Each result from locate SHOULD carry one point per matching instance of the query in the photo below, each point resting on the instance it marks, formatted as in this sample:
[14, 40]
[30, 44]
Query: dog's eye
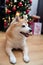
[23, 25]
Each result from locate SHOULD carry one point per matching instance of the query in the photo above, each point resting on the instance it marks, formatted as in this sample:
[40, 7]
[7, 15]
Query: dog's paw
[12, 59]
[26, 59]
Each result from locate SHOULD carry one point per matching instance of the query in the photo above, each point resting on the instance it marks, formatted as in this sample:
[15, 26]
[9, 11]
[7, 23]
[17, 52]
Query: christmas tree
[13, 6]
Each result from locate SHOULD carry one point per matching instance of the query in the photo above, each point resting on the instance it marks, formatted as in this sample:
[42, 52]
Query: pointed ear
[13, 22]
[25, 17]
[17, 18]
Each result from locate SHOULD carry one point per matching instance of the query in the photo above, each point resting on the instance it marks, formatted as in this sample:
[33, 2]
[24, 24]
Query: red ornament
[20, 4]
[5, 23]
[27, 11]
[7, 1]
[14, 8]
[30, 1]
[8, 11]
[30, 22]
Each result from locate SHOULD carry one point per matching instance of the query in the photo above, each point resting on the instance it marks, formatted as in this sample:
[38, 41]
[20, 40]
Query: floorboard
[35, 44]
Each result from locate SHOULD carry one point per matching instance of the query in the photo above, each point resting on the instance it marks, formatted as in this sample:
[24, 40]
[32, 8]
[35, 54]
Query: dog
[16, 36]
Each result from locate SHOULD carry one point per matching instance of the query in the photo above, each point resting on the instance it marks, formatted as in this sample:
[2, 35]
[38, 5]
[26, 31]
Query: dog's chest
[18, 42]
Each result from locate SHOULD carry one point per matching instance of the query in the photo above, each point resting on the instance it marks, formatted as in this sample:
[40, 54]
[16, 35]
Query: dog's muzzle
[25, 34]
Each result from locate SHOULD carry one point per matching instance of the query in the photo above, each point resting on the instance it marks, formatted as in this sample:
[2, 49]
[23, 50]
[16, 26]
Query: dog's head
[21, 26]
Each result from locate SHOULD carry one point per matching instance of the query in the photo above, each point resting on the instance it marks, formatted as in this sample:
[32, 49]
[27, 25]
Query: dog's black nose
[30, 30]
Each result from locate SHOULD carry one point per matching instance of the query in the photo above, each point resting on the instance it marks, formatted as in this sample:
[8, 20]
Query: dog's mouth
[25, 34]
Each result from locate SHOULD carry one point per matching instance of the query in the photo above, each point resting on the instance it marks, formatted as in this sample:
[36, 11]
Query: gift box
[36, 25]
[36, 28]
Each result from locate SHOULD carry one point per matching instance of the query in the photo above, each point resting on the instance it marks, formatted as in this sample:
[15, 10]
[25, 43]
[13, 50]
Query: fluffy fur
[14, 39]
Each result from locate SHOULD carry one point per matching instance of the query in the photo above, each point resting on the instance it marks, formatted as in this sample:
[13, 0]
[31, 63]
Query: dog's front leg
[11, 55]
[25, 53]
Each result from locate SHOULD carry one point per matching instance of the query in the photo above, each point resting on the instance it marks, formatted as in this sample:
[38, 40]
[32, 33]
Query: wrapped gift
[37, 28]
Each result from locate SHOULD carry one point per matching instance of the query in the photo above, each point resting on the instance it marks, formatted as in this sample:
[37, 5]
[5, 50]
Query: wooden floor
[35, 44]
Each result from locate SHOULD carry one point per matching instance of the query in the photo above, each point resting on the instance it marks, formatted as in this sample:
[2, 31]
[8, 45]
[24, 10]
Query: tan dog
[16, 38]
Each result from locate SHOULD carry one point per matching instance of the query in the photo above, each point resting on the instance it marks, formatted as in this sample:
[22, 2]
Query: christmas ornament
[9, 18]
[30, 22]
[25, 17]
[3, 18]
[17, 6]
[8, 24]
[29, 8]
[22, 0]
[15, 1]
[24, 12]
[30, 1]
[20, 4]
[7, 1]
[14, 8]
[7, 11]
[5, 23]
[25, 4]
[30, 19]
[11, 3]
[27, 11]
[12, 18]
[18, 14]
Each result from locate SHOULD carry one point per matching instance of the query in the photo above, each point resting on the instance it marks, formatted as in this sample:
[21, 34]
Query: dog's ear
[13, 22]
[17, 18]
[25, 18]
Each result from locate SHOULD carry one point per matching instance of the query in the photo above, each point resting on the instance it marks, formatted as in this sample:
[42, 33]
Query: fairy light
[17, 13]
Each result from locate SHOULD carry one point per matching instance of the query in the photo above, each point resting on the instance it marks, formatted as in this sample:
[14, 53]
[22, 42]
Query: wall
[34, 7]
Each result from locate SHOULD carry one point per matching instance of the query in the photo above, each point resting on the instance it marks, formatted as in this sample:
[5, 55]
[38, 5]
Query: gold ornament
[17, 13]
[30, 19]
[17, 6]
[24, 12]
[5, 9]
[22, 0]
[25, 4]
[15, 1]
[29, 8]
[9, 4]
[9, 18]
[5, 20]
[8, 24]
[12, 18]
